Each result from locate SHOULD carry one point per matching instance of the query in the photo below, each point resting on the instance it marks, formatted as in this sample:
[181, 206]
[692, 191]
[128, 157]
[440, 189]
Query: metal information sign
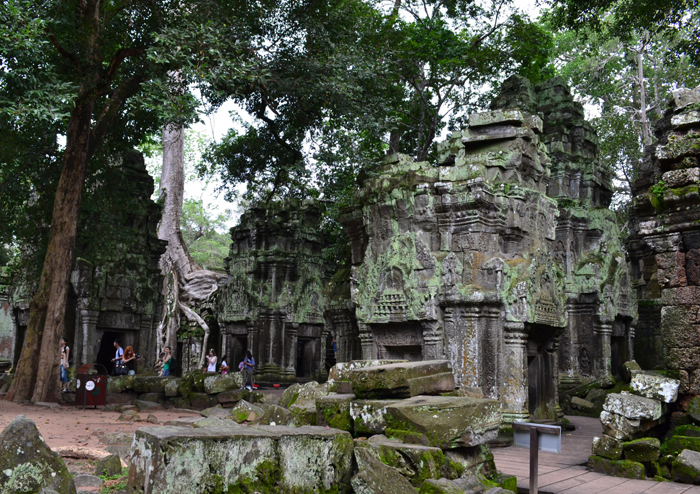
[536, 437]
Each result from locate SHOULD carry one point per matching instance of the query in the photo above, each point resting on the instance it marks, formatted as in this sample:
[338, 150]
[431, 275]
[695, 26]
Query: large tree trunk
[39, 376]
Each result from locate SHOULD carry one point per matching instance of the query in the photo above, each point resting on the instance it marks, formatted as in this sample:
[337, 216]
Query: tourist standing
[248, 368]
[167, 360]
[335, 349]
[118, 356]
[130, 360]
[224, 365]
[211, 361]
[65, 358]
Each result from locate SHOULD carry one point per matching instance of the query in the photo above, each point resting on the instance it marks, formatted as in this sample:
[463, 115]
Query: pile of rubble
[644, 436]
[388, 427]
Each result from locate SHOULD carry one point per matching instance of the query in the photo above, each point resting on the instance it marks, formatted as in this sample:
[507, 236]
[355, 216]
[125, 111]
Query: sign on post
[536, 437]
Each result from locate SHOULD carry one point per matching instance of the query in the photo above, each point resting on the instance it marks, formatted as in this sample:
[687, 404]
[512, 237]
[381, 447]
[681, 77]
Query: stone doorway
[106, 352]
[399, 340]
[542, 372]
[306, 357]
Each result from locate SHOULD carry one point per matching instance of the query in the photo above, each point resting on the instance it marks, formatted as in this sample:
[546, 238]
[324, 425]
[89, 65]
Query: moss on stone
[676, 443]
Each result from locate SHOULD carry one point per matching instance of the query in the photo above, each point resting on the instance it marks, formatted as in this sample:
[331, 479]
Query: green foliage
[205, 235]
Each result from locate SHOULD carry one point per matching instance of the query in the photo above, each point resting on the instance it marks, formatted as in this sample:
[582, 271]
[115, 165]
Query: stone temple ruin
[501, 257]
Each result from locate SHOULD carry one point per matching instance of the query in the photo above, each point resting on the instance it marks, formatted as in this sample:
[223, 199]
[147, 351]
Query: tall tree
[94, 71]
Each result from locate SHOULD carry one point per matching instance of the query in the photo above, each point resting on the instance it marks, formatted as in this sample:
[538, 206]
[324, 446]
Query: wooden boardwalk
[567, 472]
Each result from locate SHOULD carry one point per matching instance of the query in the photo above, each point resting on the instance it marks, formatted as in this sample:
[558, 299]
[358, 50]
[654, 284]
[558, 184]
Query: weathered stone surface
[582, 405]
[617, 468]
[448, 422]
[202, 400]
[112, 465]
[402, 380]
[607, 447]
[642, 450]
[152, 397]
[120, 384]
[207, 422]
[632, 407]
[222, 383]
[303, 395]
[368, 415]
[377, 478]
[245, 412]
[341, 371]
[232, 396]
[87, 481]
[334, 411]
[171, 386]
[414, 462]
[142, 405]
[675, 444]
[27, 463]
[655, 387]
[694, 409]
[687, 430]
[150, 384]
[274, 415]
[440, 486]
[620, 427]
[477, 460]
[686, 467]
[264, 458]
[216, 411]
[128, 416]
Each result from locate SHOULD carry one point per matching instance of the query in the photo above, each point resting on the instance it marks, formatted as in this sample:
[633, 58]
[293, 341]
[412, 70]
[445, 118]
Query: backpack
[173, 365]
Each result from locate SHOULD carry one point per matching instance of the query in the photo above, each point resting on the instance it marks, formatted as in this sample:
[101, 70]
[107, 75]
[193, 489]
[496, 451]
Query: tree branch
[119, 57]
[69, 55]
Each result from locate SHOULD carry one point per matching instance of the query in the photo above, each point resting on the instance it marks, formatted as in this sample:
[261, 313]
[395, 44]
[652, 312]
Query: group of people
[247, 366]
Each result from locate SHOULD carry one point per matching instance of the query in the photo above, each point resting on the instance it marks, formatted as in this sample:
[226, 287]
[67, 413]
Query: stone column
[470, 347]
[86, 338]
[432, 340]
[630, 343]
[515, 388]
[369, 351]
[604, 332]
[292, 337]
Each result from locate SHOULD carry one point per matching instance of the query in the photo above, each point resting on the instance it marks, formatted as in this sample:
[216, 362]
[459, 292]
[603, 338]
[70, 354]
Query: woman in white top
[211, 361]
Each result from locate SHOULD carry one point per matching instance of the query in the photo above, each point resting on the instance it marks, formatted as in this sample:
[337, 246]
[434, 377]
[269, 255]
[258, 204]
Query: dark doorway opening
[330, 354]
[107, 351]
[619, 354]
[541, 372]
[306, 351]
[236, 353]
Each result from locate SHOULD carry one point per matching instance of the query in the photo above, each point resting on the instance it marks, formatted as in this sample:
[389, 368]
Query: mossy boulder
[230, 398]
[119, 384]
[27, 464]
[150, 384]
[694, 410]
[476, 460]
[334, 410]
[686, 467]
[216, 411]
[142, 405]
[155, 397]
[675, 444]
[687, 430]
[403, 380]
[617, 468]
[628, 369]
[245, 412]
[408, 437]
[607, 447]
[109, 466]
[368, 416]
[200, 401]
[642, 450]
[220, 383]
[448, 422]
[171, 386]
[375, 477]
[237, 458]
[303, 395]
[274, 415]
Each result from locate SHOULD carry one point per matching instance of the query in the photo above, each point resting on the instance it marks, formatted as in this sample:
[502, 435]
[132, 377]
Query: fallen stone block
[334, 411]
[687, 430]
[403, 380]
[686, 467]
[341, 371]
[120, 384]
[617, 468]
[110, 466]
[150, 384]
[694, 409]
[675, 444]
[633, 407]
[171, 386]
[474, 461]
[642, 450]
[628, 369]
[184, 421]
[88, 481]
[154, 397]
[440, 486]
[129, 416]
[582, 405]
[303, 415]
[607, 447]
[303, 395]
[221, 383]
[377, 478]
[274, 415]
[448, 422]
[368, 416]
[202, 400]
[231, 397]
[142, 405]
[245, 412]
[216, 411]
[233, 458]
[655, 387]
[620, 427]
[27, 463]
[414, 462]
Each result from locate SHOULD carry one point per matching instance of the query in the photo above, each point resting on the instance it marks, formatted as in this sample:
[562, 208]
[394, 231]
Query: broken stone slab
[222, 383]
[216, 411]
[582, 405]
[303, 415]
[655, 387]
[694, 409]
[231, 396]
[263, 458]
[110, 466]
[212, 422]
[184, 421]
[341, 371]
[274, 415]
[334, 411]
[684, 97]
[512, 117]
[414, 462]
[607, 447]
[403, 380]
[447, 421]
[628, 368]
[142, 405]
[686, 467]
[441, 486]
[149, 384]
[202, 400]
[620, 427]
[128, 416]
[377, 478]
[245, 412]
[171, 386]
[477, 460]
[120, 384]
[617, 468]
[303, 395]
[642, 450]
[88, 481]
[27, 463]
[368, 416]
[633, 407]
[154, 397]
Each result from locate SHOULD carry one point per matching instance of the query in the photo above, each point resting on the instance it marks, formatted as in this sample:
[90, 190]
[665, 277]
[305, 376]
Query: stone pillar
[604, 332]
[515, 388]
[292, 343]
[85, 339]
[369, 350]
[470, 347]
[432, 340]
[630, 343]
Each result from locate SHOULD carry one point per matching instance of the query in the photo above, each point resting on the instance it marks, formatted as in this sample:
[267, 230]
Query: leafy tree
[205, 234]
[99, 73]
